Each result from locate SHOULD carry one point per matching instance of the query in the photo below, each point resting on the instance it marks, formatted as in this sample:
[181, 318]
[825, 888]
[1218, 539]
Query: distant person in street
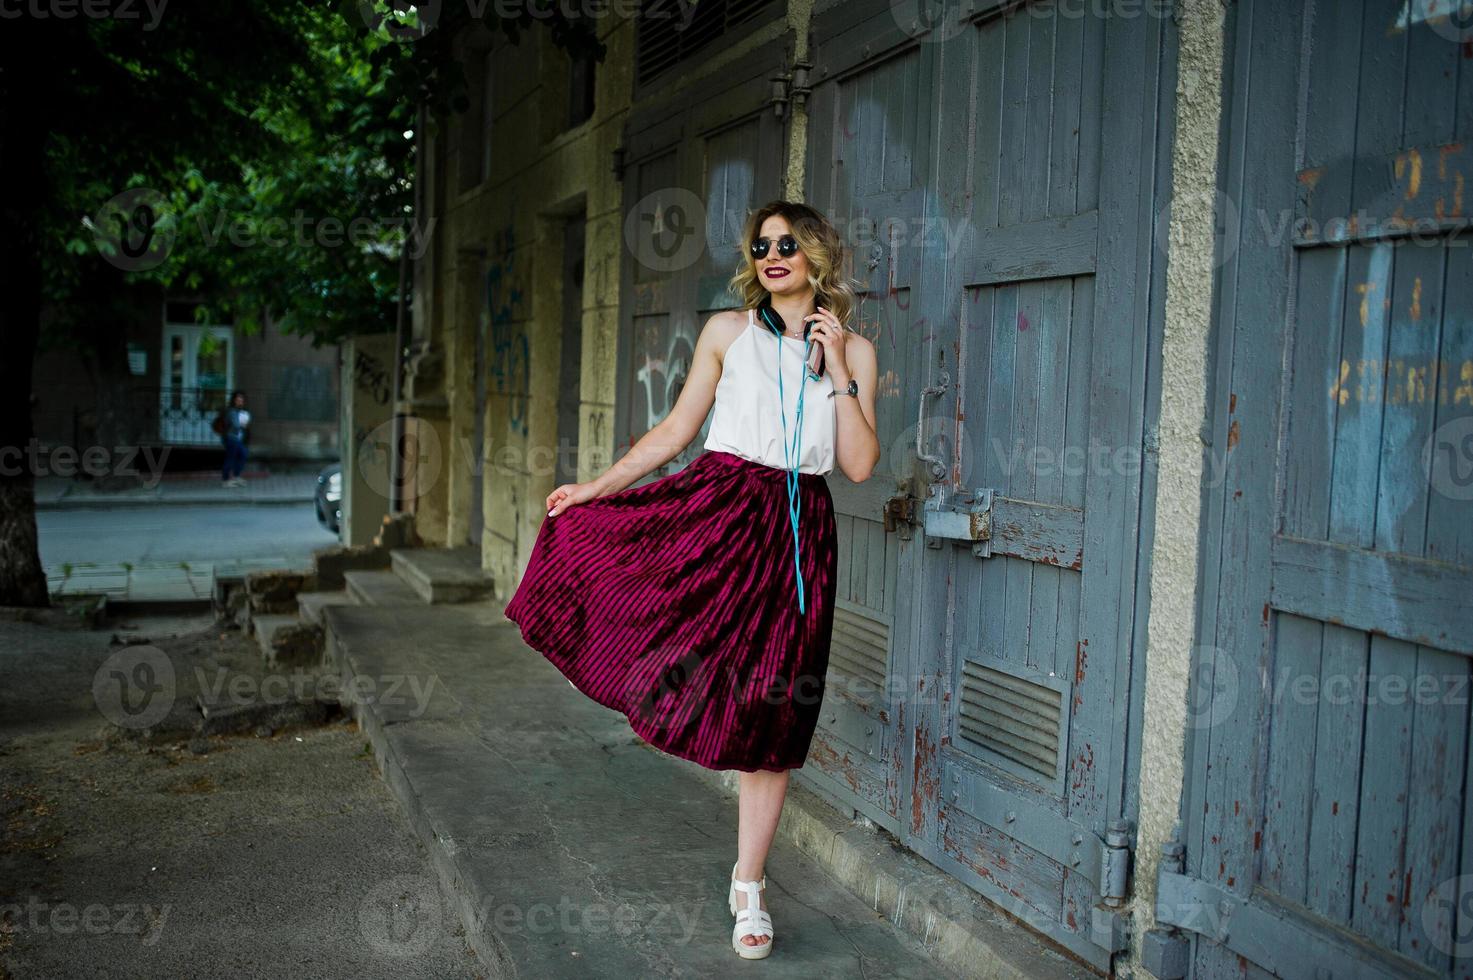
[234, 428]
[694, 604]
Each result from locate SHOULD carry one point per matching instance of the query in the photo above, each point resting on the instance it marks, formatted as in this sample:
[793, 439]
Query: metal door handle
[938, 465]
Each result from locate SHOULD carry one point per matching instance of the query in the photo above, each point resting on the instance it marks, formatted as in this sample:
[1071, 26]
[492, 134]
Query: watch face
[853, 388]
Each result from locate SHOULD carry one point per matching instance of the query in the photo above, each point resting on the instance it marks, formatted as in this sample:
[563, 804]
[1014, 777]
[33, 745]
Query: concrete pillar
[1191, 268]
[366, 439]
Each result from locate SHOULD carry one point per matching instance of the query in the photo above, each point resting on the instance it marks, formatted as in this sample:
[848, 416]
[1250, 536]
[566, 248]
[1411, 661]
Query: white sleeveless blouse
[746, 420]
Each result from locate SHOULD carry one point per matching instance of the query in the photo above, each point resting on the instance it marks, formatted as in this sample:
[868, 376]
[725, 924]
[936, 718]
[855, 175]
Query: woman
[701, 604]
[234, 431]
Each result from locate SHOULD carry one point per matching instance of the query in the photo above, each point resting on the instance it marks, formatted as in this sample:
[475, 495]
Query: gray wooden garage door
[1012, 153]
[1328, 825]
[696, 164]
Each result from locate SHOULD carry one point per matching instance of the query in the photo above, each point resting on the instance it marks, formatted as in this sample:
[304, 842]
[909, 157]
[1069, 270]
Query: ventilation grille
[861, 652]
[669, 30]
[1012, 717]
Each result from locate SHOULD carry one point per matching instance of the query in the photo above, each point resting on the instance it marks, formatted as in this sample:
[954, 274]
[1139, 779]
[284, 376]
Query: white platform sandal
[752, 920]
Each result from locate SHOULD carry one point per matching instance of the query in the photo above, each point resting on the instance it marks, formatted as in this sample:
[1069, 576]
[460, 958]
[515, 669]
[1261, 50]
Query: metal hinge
[1166, 950]
[1115, 863]
[1110, 924]
[967, 518]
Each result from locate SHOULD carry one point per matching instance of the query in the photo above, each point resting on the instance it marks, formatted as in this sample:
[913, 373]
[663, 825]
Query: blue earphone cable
[792, 466]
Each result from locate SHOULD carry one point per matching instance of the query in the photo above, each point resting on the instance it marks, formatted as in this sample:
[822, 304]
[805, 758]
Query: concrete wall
[494, 268]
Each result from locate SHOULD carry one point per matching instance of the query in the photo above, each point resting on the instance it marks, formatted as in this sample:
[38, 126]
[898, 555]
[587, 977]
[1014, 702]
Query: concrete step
[440, 575]
[310, 604]
[535, 801]
[379, 588]
[286, 641]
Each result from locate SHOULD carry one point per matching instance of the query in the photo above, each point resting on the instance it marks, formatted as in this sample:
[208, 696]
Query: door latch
[967, 518]
[900, 514]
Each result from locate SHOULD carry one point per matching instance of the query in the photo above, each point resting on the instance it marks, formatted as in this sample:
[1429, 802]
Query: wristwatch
[853, 389]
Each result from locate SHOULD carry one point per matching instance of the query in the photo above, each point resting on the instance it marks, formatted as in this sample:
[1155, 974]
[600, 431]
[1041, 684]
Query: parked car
[329, 497]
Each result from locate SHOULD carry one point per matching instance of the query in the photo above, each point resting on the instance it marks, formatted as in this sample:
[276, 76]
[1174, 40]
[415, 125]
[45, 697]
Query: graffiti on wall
[664, 362]
[372, 376]
[508, 353]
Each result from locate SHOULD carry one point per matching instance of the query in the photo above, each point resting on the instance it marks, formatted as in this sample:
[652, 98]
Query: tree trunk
[23, 172]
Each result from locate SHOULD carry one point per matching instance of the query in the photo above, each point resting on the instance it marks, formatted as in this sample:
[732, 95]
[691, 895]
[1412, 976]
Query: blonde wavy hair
[822, 247]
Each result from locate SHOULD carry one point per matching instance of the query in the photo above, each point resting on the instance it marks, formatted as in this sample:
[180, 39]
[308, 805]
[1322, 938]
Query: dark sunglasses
[786, 246]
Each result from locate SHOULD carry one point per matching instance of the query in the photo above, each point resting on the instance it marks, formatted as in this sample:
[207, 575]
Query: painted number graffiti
[1403, 382]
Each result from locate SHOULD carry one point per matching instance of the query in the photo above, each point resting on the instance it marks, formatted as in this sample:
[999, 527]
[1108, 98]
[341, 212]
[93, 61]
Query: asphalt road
[179, 532]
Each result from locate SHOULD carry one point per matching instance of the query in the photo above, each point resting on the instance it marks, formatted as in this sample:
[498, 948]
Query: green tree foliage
[278, 118]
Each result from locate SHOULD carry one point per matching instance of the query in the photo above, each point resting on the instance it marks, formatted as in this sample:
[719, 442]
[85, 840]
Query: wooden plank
[1335, 811]
[1129, 181]
[1076, 412]
[1285, 869]
[1068, 83]
[981, 448]
[900, 82]
[1382, 85]
[1463, 121]
[1357, 391]
[1034, 180]
[1049, 248]
[1410, 400]
[1267, 940]
[1434, 808]
[1463, 909]
[846, 524]
[1091, 113]
[1013, 155]
[879, 559]
[997, 428]
[1411, 599]
[1018, 596]
[1309, 450]
[1047, 534]
[1329, 116]
[988, 95]
[853, 577]
[1028, 370]
[1029, 882]
[1380, 868]
[1053, 394]
[865, 133]
[1450, 506]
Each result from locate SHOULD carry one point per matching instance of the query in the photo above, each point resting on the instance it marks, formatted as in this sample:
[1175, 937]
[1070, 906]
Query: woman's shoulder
[725, 327]
[854, 340]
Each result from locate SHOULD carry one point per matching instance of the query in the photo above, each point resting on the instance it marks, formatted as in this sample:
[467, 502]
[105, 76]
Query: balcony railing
[177, 416]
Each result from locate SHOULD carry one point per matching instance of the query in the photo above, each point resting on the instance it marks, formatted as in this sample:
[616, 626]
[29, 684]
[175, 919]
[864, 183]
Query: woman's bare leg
[762, 795]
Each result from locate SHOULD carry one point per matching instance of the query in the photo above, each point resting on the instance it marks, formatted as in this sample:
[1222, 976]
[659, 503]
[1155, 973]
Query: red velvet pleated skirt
[676, 604]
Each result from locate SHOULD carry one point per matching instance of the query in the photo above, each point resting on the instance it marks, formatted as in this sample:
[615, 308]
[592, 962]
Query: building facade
[179, 373]
[1168, 298]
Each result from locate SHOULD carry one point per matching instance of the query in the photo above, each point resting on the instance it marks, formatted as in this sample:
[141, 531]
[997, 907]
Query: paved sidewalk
[177, 581]
[574, 848]
[262, 487]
